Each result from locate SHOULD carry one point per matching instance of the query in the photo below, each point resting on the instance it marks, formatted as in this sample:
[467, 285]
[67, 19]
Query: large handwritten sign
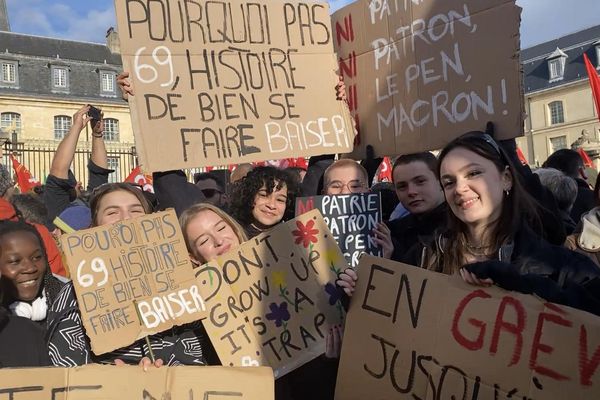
[412, 333]
[351, 219]
[224, 82]
[421, 72]
[131, 382]
[132, 278]
[272, 300]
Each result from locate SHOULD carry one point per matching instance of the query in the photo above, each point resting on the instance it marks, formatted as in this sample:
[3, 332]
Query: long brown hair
[107, 188]
[517, 205]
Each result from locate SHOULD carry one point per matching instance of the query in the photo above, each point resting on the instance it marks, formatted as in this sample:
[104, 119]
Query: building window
[556, 65]
[9, 73]
[113, 163]
[107, 83]
[111, 129]
[62, 124]
[557, 115]
[558, 143]
[60, 78]
[10, 121]
[556, 68]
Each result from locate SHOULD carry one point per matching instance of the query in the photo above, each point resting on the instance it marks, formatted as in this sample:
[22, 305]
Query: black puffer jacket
[416, 228]
[21, 342]
[530, 265]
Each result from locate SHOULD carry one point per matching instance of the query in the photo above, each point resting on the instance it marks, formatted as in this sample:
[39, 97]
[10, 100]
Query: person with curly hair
[263, 198]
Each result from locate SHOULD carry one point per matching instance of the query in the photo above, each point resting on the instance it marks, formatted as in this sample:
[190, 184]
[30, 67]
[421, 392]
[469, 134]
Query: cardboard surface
[272, 300]
[411, 333]
[225, 82]
[131, 382]
[142, 261]
[351, 220]
[420, 73]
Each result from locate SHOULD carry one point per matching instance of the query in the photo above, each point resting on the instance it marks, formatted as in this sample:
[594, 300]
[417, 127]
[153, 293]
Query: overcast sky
[88, 20]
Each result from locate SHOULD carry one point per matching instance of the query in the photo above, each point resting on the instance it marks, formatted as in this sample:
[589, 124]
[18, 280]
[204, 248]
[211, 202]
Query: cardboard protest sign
[131, 382]
[420, 73]
[226, 82]
[411, 333]
[351, 219]
[141, 263]
[272, 300]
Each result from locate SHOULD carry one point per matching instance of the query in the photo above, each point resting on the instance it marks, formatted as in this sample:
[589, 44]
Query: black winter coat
[416, 228]
[21, 342]
[531, 265]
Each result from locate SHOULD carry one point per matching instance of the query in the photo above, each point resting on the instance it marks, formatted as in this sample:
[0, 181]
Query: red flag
[385, 170]
[25, 181]
[594, 82]
[144, 180]
[587, 161]
[301, 163]
[521, 156]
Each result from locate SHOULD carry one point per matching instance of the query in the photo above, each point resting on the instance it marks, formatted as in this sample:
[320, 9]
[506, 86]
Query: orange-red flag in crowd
[521, 156]
[25, 180]
[385, 170]
[144, 180]
[594, 82]
[587, 161]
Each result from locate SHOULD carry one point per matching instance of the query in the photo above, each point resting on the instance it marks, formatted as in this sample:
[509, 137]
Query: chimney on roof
[4, 24]
[112, 40]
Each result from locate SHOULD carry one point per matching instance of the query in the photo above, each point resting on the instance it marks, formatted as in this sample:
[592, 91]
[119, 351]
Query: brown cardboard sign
[420, 73]
[272, 300]
[131, 382]
[412, 333]
[140, 263]
[232, 81]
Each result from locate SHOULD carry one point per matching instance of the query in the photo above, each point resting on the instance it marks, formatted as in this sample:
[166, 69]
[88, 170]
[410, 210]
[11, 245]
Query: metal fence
[37, 157]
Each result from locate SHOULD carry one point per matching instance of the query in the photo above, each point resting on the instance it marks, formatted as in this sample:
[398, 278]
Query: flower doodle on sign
[305, 234]
[334, 293]
[279, 313]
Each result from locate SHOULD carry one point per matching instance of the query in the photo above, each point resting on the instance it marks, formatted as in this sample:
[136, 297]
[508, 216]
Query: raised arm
[63, 158]
[98, 164]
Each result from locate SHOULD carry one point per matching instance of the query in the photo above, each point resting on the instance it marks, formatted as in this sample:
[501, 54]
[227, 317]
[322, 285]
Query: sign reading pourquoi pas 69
[220, 82]
[132, 278]
[419, 73]
[417, 334]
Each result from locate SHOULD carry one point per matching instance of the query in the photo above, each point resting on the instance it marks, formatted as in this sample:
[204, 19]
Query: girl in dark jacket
[488, 241]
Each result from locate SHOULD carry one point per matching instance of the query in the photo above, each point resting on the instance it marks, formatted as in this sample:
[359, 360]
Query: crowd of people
[473, 210]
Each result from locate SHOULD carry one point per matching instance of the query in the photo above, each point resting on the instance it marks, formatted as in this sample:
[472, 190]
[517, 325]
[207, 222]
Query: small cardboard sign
[351, 219]
[132, 382]
[420, 73]
[132, 279]
[272, 300]
[226, 82]
[412, 333]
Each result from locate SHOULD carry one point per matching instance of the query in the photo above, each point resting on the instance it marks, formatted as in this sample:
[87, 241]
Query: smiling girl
[262, 199]
[490, 240]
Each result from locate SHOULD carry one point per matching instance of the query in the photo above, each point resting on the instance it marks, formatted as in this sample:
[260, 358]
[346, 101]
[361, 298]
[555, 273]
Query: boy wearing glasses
[346, 176]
